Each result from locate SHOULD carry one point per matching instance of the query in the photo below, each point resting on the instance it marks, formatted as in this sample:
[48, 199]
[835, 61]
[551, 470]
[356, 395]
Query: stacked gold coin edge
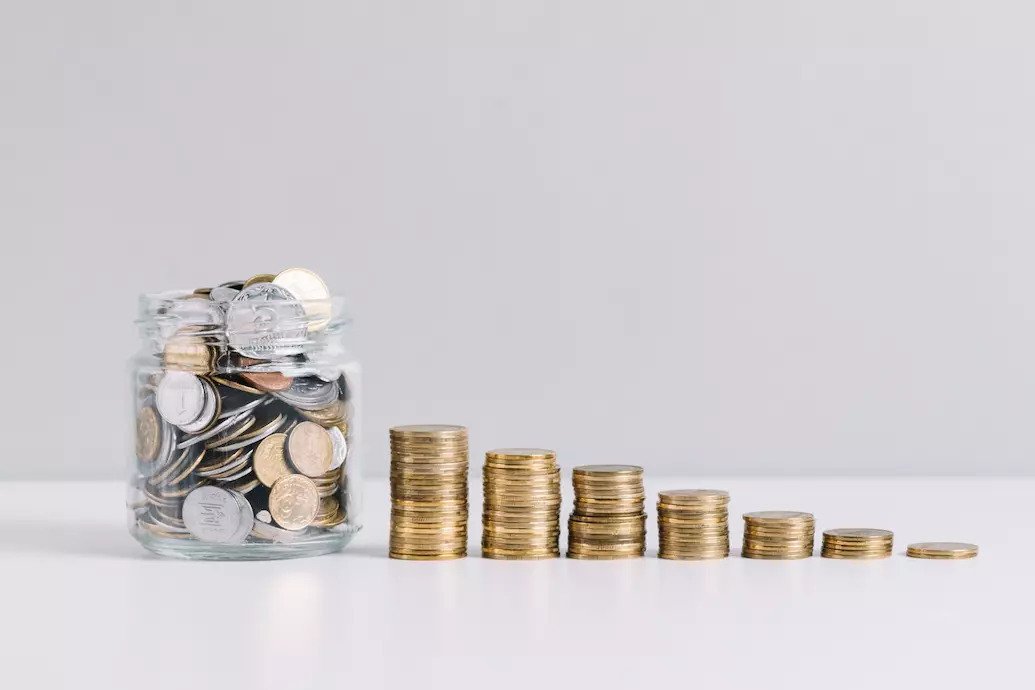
[522, 504]
[693, 525]
[778, 535]
[608, 521]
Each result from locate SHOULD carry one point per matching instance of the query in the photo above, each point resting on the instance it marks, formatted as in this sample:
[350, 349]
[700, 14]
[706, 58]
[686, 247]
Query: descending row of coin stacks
[857, 543]
[608, 520]
[778, 535]
[522, 509]
[693, 524]
[429, 492]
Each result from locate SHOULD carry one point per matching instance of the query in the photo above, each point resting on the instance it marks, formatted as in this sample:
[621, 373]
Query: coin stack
[429, 492]
[778, 535]
[857, 543]
[608, 521]
[693, 524]
[942, 550]
[522, 509]
[238, 421]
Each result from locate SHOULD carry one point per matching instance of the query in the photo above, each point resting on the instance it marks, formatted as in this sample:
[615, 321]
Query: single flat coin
[778, 516]
[270, 461]
[265, 321]
[593, 470]
[858, 533]
[294, 502]
[180, 397]
[942, 549]
[310, 290]
[212, 514]
[340, 447]
[310, 449]
[693, 496]
[149, 434]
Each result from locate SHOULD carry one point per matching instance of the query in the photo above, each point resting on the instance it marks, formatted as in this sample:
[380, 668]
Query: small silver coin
[339, 446]
[180, 397]
[208, 412]
[265, 321]
[270, 533]
[215, 515]
[310, 393]
[223, 293]
[264, 516]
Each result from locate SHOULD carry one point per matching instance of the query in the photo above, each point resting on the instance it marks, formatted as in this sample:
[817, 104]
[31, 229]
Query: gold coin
[607, 470]
[433, 431]
[521, 454]
[428, 557]
[852, 533]
[309, 448]
[259, 278]
[778, 516]
[942, 549]
[693, 496]
[149, 434]
[294, 502]
[269, 461]
[186, 351]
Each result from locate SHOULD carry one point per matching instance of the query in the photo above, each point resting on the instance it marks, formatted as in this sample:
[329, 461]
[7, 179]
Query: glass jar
[246, 408]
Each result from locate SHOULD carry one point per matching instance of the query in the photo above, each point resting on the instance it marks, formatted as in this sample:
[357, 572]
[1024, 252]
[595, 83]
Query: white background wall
[708, 237]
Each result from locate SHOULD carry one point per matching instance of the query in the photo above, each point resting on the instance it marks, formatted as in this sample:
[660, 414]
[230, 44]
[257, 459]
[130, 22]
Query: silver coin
[208, 412]
[234, 465]
[189, 311]
[264, 516]
[247, 407]
[271, 533]
[217, 429]
[223, 293]
[310, 393]
[265, 321]
[267, 430]
[180, 397]
[215, 515]
[247, 517]
[240, 475]
[340, 447]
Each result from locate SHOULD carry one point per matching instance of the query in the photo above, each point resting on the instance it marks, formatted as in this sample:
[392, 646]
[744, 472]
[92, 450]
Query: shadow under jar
[245, 405]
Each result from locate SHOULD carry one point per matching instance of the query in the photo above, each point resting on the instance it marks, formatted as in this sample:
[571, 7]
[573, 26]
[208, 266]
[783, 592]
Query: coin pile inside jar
[778, 535]
[942, 550]
[242, 418]
[429, 492]
[608, 520]
[857, 543]
[693, 524]
[522, 504]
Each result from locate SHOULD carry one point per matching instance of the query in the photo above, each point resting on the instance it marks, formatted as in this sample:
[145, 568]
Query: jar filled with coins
[246, 406]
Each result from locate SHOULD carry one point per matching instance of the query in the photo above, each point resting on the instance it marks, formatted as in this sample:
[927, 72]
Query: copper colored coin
[310, 449]
[148, 434]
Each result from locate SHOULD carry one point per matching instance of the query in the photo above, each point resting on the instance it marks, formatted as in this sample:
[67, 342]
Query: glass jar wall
[246, 408]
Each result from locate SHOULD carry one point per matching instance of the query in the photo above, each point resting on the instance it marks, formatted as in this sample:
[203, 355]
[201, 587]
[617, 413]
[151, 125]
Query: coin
[149, 434]
[259, 278]
[942, 549]
[857, 533]
[215, 515]
[310, 449]
[270, 462]
[309, 289]
[294, 502]
[265, 321]
[180, 397]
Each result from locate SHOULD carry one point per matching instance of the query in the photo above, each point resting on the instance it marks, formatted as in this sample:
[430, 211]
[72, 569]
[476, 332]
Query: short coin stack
[522, 509]
[429, 492]
[693, 524]
[857, 543]
[942, 550]
[608, 520]
[778, 535]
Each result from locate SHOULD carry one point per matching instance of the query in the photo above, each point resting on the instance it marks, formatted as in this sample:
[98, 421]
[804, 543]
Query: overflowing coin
[778, 535]
[522, 504]
[857, 543]
[429, 492]
[245, 416]
[693, 524]
[942, 550]
[608, 520]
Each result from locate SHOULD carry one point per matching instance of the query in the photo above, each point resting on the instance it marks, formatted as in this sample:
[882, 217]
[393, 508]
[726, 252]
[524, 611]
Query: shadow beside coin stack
[778, 535]
[429, 492]
[693, 524]
[608, 521]
[522, 504]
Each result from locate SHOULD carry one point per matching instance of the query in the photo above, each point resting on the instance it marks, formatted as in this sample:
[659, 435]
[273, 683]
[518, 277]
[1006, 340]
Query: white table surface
[85, 606]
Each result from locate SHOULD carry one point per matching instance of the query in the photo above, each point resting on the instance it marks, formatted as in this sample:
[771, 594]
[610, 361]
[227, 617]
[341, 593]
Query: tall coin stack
[522, 509]
[693, 524]
[608, 520]
[857, 543]
[778, 535]
[429, 492]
